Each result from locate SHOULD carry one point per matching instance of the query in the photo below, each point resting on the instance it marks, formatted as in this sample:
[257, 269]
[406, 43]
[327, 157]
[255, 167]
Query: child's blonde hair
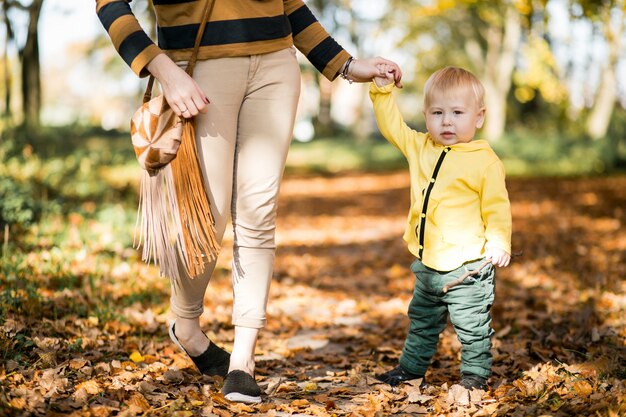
[452, 78]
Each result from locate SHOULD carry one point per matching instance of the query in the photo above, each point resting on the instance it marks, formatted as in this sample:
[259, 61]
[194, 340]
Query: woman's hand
[180, 90]
[364, 70]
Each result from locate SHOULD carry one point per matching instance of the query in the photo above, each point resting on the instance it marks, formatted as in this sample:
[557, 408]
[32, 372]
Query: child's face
[453, 116]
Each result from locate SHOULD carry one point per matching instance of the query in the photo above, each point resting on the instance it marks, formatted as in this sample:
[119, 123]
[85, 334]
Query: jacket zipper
[419, 229]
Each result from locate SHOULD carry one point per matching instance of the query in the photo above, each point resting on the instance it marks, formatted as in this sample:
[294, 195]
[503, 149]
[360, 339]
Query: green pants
[468, 306]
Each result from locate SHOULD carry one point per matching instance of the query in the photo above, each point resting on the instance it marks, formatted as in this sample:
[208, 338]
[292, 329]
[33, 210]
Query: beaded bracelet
[346, 70]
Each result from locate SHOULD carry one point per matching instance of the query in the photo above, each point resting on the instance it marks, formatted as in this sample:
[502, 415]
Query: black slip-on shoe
[213, 362]
[399, 375]
[241, 387]
[471, 381]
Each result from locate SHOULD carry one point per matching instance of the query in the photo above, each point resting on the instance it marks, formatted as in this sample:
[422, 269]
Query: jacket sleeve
[130, 40]
[496, 208]
[326, 55]
[389, 119]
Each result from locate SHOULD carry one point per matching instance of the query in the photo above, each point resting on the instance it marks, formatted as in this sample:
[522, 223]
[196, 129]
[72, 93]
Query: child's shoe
[241, 387]
[399, 375]
[471, 381]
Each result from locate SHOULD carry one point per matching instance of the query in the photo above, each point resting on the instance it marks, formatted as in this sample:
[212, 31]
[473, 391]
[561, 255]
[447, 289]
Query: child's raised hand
[498, 257]
[388, 79]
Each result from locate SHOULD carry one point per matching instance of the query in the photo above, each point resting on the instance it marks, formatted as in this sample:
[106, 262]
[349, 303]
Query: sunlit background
[543, 66]
[83, 320]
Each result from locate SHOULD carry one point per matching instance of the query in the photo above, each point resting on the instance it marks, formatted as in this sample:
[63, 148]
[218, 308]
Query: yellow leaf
[182, 413]
[299, 403]
[583, 388]
[18, 403]
[90, 386]
[136, 357]
[311, 386]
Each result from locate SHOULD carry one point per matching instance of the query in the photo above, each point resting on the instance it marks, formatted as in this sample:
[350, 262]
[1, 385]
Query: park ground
[83, 321]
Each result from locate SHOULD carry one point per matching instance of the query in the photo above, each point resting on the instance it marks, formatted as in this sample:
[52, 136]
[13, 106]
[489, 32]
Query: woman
[244, 90]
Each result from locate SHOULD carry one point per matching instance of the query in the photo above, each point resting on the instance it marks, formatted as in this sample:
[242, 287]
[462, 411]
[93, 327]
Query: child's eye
[437, 112]
[458, 112]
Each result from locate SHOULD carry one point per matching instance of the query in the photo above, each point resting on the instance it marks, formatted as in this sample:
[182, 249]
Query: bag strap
[208, 9]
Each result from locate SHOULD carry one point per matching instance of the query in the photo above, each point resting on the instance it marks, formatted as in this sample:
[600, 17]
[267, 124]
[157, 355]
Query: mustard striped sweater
[235, 28]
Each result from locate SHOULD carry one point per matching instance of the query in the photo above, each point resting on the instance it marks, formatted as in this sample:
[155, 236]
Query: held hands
[386, 77]
[365, 70]
[498, 257]
[180, 90]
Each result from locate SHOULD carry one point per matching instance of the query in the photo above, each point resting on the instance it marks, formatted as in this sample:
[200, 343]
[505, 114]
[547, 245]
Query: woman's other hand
[180, 90]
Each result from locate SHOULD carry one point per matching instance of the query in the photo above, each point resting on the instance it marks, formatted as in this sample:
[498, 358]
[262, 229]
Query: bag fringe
[197, 226]
[174, 218]
[156, 215]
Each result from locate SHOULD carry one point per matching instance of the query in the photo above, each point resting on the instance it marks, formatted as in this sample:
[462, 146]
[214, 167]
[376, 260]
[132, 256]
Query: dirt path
[337, 315]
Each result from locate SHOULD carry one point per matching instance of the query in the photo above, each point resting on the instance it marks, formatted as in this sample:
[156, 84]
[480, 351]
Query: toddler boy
[459, 217]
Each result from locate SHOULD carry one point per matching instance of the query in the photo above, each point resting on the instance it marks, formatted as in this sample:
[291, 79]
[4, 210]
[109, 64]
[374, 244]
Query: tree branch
[463, 277]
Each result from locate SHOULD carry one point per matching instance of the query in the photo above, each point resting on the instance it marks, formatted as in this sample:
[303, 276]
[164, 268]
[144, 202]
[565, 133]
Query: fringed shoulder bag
[174, 217]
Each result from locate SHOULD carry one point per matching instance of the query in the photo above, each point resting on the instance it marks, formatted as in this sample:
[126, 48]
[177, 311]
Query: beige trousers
[243, 142]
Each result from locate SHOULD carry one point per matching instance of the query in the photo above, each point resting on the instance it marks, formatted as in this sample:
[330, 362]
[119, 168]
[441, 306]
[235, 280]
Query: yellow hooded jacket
[459, 202]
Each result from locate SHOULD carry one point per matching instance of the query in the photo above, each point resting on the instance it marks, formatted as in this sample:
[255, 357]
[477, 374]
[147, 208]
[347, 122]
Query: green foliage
[17, 203]
[60, 169]
[524, 152]
[332, 155]
[528, 154]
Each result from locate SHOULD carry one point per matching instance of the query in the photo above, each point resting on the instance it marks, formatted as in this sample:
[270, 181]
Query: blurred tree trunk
[484, 37]
[325, 12]
[497, 72]
[31, 69]
[6, 63]
[323, 122]
[612, 21]
[491, 38]
[360, 29]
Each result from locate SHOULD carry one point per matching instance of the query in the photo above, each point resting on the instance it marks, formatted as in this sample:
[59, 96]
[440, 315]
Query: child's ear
[480, 118]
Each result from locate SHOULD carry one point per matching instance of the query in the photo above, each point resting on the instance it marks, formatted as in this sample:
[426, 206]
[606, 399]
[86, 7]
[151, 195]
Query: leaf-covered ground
[83, 322]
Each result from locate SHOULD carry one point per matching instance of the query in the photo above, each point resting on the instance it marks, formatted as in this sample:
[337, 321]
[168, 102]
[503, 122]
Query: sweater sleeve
[389, 119]
[496, 208]
[130, 40]
[326, 55]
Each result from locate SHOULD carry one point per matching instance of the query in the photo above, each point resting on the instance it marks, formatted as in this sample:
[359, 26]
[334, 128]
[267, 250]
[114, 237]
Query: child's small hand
[498, 257]
[384, 80]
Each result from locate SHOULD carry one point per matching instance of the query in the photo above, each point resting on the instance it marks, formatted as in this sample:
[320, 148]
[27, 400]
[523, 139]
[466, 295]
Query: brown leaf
[100, 410]
[80, 396]
[78, 363]
[146, 387]
[138, 400]
[11, 365]
[12, 326]
[458, 395]
[174, 376]
[413, 409]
